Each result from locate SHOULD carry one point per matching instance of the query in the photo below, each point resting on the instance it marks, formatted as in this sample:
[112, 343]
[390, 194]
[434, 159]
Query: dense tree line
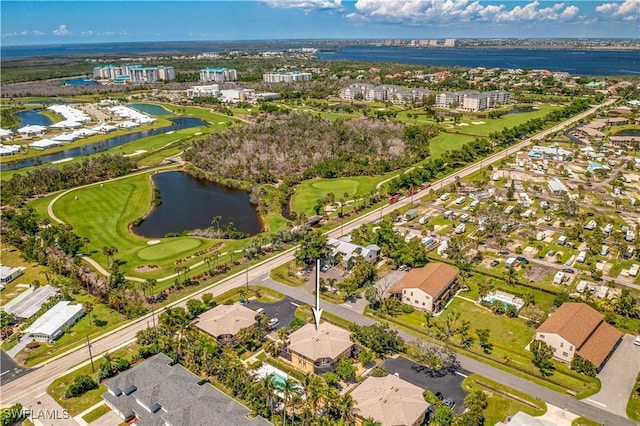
[49, 178]
[311, 146]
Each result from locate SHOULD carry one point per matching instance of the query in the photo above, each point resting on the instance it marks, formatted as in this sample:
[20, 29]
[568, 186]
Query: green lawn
[33, 271]
[509, 336]
[282, 274]
[633, 405]
[446, 142]
[309, 191]
[103, 214]
[95, 414]
[583, 421]
[503, 401]
[106, 319]
[80, 403]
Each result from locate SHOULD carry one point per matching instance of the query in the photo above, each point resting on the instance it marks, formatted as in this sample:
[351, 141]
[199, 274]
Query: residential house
[159, 392]
[225, 321]
[8, 274]
[343, 251]
[427, 288]
[390, 401]
[51, 325]
[28, 303]
[318, 350]
[556, 187]
[578, 329]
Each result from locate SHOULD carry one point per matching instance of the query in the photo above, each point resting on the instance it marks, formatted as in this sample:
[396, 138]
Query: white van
[445, 196]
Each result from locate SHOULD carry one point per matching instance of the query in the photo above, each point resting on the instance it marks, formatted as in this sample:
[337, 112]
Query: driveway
[9, 369]
[284, 310]
[450, 385]
[618, 377]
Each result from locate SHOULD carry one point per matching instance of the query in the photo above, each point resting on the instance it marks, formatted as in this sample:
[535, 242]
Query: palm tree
[348, 408]
[510, 276]
[289, 390]
[87, 307]
[370, 421]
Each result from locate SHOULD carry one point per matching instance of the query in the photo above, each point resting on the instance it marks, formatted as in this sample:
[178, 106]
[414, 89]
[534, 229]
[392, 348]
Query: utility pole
[381, 208]
[153, 312]
[93, 370]
[247, 277]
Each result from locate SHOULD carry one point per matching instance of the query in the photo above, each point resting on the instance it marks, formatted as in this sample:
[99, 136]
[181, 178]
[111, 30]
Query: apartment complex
[472, 100]
[204, 90]
[134, 73]
[384, 92]
[578, 329]
[428, 288]
[286, 77]
[218, 75]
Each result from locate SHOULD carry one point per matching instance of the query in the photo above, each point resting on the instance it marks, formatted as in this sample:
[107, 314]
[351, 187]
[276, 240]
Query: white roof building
[45, 144]
[28, 306]
[557, 187]
[5, 133]
[51, 324]
[8, 274]
[9, 149]
[32, 130]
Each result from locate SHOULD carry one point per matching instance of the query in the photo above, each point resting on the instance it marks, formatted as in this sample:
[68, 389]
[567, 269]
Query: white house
[8, 274]
[51, 324]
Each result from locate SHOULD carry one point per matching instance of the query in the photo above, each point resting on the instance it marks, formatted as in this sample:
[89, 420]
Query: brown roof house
[427, 288]
[318, 351]
[225, 321]
[390, 401]
[577, 328]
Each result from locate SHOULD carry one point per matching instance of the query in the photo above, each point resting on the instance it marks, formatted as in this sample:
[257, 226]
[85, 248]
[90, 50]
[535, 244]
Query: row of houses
[471, 100]
[384, 93]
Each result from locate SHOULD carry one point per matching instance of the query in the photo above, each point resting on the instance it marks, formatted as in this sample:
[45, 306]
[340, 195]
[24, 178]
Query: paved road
[29, 387]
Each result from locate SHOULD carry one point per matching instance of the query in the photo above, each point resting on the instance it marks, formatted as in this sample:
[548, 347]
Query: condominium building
[286, 77]
[472, 100]
[134, 73]
[219, 75]
[383, 93]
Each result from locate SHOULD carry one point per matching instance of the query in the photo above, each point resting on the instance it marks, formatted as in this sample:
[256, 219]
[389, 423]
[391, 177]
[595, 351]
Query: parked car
[260, 311]
[494, 263]
[325, 267]
[637, 341]
[523, 259]
[273, 322]
[439, 396]
[568, 271]
[504, 252]
[449, 402]
[551, 253]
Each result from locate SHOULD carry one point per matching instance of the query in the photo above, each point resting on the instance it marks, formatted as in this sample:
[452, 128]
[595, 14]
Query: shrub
[407, 309]
[583, 366]
[80, 385]
[33, 345]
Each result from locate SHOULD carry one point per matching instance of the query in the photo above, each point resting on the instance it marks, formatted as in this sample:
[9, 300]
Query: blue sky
[62, 22]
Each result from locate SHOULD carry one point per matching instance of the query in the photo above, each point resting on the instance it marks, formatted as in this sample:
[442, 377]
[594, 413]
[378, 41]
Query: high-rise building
[218, 75]
[286, 77]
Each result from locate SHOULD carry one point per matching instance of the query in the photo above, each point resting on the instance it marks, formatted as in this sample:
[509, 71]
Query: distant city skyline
[65, 22]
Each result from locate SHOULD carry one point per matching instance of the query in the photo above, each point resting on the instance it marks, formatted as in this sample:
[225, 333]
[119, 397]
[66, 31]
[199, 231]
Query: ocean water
[579, 62]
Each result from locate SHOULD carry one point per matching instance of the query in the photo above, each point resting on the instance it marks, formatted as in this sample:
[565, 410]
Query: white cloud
[62, 30]
[306, 5]
[443, 11]
[629, 10]
[15, 34]
[37, 33]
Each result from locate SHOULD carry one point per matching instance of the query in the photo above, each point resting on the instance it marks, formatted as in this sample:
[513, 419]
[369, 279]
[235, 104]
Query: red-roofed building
[578, 329]
[428, 288]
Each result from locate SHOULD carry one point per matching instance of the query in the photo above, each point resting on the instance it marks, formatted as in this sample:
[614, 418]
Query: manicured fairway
[168, 249]
[447, 141]
[309, 191]
[103, 214]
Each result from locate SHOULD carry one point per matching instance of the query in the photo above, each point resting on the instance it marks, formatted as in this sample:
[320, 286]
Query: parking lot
[284, 310]
[450, 385]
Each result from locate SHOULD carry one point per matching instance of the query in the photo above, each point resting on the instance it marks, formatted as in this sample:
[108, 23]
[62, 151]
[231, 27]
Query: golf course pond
[191, 203]
[178, 123]
[151, 109]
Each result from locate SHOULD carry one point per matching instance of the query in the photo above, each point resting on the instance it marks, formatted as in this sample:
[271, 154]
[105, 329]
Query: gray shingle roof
[173, 393]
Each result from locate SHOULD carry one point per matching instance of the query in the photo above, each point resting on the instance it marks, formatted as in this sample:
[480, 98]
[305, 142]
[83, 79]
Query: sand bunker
[152, 242]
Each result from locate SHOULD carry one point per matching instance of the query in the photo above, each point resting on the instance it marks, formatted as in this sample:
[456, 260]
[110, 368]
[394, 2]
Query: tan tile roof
[432, 279]
[597, 348]
[584, 328]
[328, 341]
[389, 400]
[226, 319]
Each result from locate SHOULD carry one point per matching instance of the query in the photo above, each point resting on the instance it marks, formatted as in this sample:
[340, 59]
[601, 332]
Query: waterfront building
[218, 75]
[286, 77]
